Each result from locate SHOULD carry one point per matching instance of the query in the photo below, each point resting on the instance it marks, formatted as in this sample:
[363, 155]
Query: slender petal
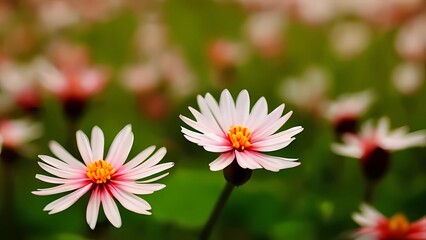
[110, 209]
[92, 210]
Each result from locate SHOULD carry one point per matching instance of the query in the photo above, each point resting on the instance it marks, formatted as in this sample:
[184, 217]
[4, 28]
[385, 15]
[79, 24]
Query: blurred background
[68, 65]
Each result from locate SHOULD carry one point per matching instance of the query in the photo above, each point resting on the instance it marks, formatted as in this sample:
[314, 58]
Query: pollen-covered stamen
[239, 137]
[398, 225]
[100, 171]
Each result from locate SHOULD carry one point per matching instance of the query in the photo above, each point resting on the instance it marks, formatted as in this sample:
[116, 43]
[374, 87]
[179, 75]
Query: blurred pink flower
[239, 135]
[78, 84]
[106, 178]
[265, 31]
[374, 145]
[18, 132]
[347, 109]
[411, 39]
[21, 83]
[375, 226]
[225, 54]
[308, 91]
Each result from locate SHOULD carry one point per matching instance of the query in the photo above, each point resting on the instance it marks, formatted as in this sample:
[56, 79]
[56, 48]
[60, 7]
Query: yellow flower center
[239, 137]
[398, 225]
[100, 171]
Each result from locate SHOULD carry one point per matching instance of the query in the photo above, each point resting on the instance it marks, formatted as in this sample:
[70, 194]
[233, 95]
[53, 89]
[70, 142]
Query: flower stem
[369, 191]
[205, 233]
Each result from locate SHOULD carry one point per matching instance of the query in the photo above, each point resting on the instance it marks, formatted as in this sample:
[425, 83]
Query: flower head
[230, 128]
[106, 178]
[16, 133]
[375, 226]
[374, 145]
[346, 110]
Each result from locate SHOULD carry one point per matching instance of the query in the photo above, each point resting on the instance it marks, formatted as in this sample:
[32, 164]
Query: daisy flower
[374, 145]
[18, 132]
[375, 226]
[346, 110]
[230, 128]
[105, 178]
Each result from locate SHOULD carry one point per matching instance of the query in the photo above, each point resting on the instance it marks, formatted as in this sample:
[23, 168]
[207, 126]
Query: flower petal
[64, 155]
[130, 201]
[92, 210]
[84, 147]
[120, 147]
[97, 142]
[67, 200]
[222, 161]
[110, 209]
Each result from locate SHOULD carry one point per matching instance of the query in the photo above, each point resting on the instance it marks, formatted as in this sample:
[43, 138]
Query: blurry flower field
[352, 72]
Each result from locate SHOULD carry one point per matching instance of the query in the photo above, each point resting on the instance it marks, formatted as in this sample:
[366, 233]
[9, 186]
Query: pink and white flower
[230, 128]
[80, 83]
[375, 226]
[373, 146]
[105, 178]
[347, 109]
[360, 145]
[16, 133]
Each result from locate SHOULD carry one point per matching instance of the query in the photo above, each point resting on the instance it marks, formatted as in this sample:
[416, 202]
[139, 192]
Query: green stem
[205, 233]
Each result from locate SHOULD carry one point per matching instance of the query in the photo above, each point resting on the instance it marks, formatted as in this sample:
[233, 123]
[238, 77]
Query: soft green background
[312, 201]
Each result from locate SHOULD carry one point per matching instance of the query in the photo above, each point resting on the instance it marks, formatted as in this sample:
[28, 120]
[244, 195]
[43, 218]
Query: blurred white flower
[408, 77]
[308, 91]
[141, 78]
[312, 12]
[265, 32]
[55, 15]
[151, 37]
[349, 39]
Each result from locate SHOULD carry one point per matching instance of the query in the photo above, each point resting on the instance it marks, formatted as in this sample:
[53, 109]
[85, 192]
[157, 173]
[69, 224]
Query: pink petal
[227, 108]
[59, 164]
[59, 189]
[54, 180]
[257, 114]
[67, 200]
[130, 201]
[243, 107]
[205, 110]
[139, 158]
[215, 110]
[64, 155]
[273, 163]
[154, 159]
[92, 210]
[138, 188]
[222, 161]
[84, 147]
[110, 209]
[148, 172]
[98, 142]
[58, 172]
[271, 145]
[245, 160]
[120, 147]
